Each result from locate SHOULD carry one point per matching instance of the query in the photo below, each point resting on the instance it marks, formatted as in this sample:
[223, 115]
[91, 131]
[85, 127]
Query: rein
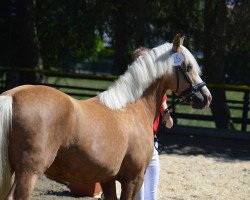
[187, 94]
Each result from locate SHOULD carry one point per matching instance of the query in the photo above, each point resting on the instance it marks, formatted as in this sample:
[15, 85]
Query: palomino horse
[102, 139]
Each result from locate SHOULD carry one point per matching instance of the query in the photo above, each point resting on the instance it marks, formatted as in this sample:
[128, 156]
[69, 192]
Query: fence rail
[90, 91]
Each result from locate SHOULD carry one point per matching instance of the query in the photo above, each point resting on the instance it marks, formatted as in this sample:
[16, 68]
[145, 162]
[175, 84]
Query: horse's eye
[189, 68]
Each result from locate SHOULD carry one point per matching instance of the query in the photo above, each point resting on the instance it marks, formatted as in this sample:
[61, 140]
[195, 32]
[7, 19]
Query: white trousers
[149, 188]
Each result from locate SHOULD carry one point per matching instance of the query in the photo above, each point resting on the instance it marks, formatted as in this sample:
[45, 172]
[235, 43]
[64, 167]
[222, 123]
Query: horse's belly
[79, 168]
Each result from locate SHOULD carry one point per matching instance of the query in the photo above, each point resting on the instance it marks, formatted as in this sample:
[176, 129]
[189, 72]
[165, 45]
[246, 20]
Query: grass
[102, 85]
[189, 122]
[230, 95]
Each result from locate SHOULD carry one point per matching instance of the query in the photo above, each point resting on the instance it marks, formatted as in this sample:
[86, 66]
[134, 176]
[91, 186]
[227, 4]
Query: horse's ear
[177, 42]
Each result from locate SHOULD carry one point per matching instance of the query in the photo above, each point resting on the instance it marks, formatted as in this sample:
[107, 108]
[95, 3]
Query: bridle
[186, 95]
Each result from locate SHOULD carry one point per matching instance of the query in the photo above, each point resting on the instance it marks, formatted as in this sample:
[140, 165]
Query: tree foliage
[19, 42]
[71, 31]
[66, 30]
[238, 43]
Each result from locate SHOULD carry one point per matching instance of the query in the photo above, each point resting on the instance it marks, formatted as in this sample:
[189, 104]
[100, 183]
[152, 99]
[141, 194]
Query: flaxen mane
[130, 86]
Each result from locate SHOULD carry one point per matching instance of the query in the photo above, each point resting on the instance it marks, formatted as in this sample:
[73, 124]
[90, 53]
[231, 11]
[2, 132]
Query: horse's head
[186, 82]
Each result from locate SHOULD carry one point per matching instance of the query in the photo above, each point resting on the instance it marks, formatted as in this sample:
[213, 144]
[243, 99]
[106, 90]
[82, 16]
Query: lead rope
[160, 147]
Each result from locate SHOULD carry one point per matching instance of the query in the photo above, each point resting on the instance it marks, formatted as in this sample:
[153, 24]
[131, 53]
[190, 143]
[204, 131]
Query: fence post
[245, 111]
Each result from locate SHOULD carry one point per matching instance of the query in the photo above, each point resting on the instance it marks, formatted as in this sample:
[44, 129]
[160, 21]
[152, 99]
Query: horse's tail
[5, 125]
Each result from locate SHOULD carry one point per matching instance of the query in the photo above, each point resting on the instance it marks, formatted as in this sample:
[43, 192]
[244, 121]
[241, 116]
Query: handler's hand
[168, 120]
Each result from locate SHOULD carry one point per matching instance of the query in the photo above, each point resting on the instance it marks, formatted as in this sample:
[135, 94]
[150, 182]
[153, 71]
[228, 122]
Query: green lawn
[230, 95]
[79, 83]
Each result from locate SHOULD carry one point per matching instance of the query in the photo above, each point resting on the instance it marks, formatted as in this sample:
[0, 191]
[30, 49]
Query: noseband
[187, 94]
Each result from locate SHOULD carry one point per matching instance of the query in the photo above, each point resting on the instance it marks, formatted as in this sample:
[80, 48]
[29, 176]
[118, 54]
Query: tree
[214, 58]
[121, 20]
[238, 43]
[176, 16]
[23, 47]
[66, 30]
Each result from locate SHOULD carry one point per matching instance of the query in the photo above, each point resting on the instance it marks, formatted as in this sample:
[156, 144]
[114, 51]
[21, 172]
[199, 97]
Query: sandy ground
[185, 174]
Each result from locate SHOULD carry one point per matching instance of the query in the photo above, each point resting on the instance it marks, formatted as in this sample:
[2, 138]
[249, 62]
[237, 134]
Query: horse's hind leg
[109, 190]
[22, 187]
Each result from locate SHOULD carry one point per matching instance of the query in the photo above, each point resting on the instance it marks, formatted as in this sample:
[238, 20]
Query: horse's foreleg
[109, 190]
[130, 188]
[22, 187]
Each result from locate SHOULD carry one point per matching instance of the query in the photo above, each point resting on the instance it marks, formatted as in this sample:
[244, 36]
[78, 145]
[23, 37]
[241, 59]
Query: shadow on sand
[189, 144]
[67, 194]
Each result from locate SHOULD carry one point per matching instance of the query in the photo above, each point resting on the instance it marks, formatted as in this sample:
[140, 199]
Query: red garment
[157, 119]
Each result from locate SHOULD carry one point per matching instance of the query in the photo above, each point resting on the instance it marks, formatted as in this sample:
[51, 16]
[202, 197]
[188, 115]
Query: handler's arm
[166, 115]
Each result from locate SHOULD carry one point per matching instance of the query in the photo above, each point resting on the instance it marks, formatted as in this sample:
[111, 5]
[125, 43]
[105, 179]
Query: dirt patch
[181, 177]
[203, 177]
[187, 171]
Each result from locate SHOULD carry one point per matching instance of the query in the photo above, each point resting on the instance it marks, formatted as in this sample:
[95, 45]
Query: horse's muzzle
[201, 98]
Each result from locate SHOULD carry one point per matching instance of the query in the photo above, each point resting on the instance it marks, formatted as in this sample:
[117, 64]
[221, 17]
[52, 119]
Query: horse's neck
[152, 98]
